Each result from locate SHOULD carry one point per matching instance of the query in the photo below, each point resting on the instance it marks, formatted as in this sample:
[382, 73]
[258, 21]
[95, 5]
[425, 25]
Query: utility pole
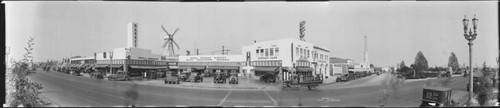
[197, 52]
[224, 50]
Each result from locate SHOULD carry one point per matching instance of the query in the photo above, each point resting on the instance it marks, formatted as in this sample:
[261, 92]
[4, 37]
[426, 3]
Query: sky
[396, 31]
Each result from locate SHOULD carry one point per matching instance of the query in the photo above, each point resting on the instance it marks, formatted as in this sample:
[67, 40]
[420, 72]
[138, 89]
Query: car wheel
[109, 78]
[126, 79]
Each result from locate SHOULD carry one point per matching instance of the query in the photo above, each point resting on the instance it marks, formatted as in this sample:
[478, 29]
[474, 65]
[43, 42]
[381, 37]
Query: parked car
[344, 77]
[219, 77]
[234, 78]
[119, 75]
[268, 77]
[97, 74]
[171, 78]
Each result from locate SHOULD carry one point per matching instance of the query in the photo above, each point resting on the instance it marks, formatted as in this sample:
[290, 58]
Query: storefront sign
[267, 57]
[213, 58]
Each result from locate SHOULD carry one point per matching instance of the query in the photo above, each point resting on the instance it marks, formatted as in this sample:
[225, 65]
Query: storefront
[208, 64]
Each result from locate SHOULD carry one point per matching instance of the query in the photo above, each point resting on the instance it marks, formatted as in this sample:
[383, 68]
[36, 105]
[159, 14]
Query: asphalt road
[68, 90]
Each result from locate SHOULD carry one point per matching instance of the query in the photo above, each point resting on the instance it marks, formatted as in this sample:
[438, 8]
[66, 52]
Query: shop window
[271, 52]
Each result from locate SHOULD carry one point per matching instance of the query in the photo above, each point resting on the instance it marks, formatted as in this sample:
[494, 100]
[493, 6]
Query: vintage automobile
[76, 72]
[170, 78]
[475, 83]
[442, 97]
[119, 75]
[233, 79]
[195, 77]
[299, 79]
[268, 77]
[219, 77]
[345, 77]
[97, 74]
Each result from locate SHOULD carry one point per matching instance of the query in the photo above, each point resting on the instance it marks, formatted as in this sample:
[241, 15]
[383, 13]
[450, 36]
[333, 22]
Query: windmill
[168, 46]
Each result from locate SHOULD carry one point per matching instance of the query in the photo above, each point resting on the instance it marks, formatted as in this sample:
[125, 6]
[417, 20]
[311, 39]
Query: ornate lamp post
[470, 37]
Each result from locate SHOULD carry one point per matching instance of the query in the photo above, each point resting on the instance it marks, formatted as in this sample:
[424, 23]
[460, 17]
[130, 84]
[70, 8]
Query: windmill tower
[302, 29]
[168, 46]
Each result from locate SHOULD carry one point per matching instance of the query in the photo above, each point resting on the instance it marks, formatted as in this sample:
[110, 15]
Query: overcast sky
[396, 30]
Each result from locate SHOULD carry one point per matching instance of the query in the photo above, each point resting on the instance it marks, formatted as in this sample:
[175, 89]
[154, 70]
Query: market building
[212, 63]
[279, 57]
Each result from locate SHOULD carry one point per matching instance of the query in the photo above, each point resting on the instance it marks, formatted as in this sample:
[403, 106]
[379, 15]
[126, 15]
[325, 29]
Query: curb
[50, 103]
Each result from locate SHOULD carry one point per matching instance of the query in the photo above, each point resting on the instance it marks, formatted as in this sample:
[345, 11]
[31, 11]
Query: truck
[219, 77]
[170, 78]
[300, 79]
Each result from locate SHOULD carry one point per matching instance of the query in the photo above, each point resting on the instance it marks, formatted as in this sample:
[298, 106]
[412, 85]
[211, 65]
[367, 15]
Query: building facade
[320, 62]
[280, 57]
[341, 66]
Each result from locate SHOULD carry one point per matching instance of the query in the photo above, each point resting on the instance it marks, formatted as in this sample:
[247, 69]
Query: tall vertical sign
[132, 32]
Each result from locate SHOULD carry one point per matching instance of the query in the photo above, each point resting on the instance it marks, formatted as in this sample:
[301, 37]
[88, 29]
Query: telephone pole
[224, 50]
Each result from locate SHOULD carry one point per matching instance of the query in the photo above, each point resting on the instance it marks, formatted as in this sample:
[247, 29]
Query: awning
[148, 67]
[266, 69]
[304, 69]
[195, 67]
[173, 67]
[224, 67]
[107, 65]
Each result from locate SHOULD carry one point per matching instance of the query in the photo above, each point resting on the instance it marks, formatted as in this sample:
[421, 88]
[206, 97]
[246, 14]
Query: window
[297, 51]
[301, 53]
[271, 51]
[262, 52]
[267, 52]
[276, 51]
[257, 52]
[307, 54]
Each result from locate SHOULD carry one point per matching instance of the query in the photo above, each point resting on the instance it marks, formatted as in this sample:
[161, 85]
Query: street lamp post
[111, 63]
[470, 37]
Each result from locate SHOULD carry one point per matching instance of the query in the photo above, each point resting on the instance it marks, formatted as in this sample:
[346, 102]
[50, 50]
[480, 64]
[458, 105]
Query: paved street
[68, 90]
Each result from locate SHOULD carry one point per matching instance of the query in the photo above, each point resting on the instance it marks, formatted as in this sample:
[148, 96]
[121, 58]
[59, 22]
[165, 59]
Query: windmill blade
[174, 32]
[176, 44]
[164, 29]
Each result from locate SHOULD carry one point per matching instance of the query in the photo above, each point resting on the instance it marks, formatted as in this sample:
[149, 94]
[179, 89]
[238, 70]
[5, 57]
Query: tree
[420, 62]
[402, 64]
[23, 92]
[372, 66]
[485, 87]
[453, 62]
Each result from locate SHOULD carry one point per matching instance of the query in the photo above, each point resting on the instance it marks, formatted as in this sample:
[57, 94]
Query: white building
[279, 56]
